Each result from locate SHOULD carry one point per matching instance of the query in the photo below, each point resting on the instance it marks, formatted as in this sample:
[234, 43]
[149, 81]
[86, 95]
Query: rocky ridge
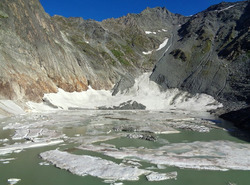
[210, 54]
[39, 53]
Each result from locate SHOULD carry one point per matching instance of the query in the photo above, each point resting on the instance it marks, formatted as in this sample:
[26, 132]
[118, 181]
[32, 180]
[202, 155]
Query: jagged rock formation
[210, 54]
[39, 53]
[129, 105]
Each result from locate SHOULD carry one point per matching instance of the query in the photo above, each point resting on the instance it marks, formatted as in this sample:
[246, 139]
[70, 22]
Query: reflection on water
[92, 127]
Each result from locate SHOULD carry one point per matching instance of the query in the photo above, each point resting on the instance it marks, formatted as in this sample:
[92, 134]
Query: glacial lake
[72, 131]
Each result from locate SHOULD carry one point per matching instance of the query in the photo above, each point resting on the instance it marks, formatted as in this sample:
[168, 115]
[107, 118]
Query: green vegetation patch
[3, 14]
[85, 47]
[108, 58]
[207, 46]
[128, 50]
[120, 56]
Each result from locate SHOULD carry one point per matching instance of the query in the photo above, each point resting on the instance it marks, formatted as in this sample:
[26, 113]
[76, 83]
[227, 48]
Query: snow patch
[163, 44]
[155, 32]
[225, 8]
[10, 107]
[148, 32]
[144, 91]
[147, 53]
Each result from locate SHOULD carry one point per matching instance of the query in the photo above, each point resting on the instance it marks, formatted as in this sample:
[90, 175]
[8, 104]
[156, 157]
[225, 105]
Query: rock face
[210, 54]
[241, 118]
[129, 105]
[39, 53]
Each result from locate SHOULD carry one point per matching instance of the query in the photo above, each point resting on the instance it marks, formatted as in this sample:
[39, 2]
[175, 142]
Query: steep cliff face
[205, 53]
[210, 54]
[39, 53]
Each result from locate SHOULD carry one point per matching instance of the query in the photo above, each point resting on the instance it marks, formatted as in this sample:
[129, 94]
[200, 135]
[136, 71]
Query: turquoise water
[27, 168]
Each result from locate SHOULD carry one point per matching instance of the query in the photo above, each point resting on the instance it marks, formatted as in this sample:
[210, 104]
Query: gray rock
[129, 105]
[123, 84]
[125, 128]
[240, 118]
[210, 54]
[143, 136]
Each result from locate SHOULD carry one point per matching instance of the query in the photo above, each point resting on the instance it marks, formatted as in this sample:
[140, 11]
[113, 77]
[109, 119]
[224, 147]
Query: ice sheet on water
[155, 176]
[13, 181]
[94, 166]
[215, 155]
[83, 165]
[6, 160]
[20, 146]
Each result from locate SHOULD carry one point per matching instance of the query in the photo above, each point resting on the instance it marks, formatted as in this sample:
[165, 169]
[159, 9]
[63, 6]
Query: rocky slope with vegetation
[39, 53]
[211, 54]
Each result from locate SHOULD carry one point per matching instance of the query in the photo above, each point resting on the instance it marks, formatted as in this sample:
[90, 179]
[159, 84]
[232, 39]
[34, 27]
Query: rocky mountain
[205, 53]
[39, 53]
[210, 53]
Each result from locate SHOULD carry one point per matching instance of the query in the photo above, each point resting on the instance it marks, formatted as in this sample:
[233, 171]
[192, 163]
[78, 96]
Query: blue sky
[103, 9]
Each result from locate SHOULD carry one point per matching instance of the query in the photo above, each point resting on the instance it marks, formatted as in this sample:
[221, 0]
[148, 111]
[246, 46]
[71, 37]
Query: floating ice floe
[34, 136]
[4, 140]
[20, 146]
[13, 181]
[214, 155]
[155, 176]
[6, 161]
[44, 164]
[117, 183]
[83, 165]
